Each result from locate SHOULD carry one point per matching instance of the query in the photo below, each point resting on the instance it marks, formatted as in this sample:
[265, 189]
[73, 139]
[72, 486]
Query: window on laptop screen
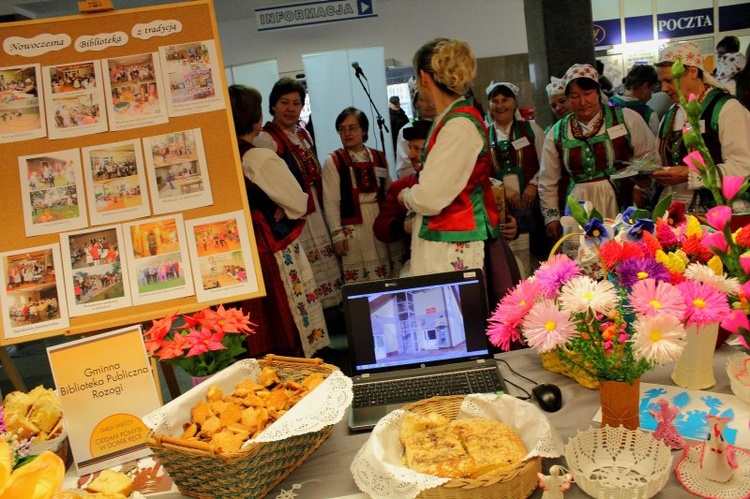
[418, 325]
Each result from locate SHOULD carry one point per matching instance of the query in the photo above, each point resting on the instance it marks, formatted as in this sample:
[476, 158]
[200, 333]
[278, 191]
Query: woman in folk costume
[293, 144]
[639, 87]
[290, 317]
[727, 68]
[725, 127]
[355, 179]
[515, 148]
[453, 201]
[590, 144]
[558, 101]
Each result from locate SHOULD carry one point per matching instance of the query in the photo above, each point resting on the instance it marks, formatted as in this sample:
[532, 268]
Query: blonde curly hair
[450, 63]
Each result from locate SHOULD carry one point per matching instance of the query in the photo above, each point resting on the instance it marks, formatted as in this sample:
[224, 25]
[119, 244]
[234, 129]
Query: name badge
[617, 131]
[380, 172]
[520, 143]
[703, 126]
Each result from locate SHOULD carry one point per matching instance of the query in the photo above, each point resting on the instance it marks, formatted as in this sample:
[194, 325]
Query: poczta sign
[687, 23]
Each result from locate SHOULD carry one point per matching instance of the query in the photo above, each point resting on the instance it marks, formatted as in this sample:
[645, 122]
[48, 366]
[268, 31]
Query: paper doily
[377, 468]
[688, 472]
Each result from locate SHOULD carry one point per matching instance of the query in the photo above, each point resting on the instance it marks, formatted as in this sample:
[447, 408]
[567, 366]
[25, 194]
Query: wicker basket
[199, 471]
[551, 361]
[517, 482]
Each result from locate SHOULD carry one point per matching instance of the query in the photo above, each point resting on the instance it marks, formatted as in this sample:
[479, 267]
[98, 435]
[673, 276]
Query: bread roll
[111, 482]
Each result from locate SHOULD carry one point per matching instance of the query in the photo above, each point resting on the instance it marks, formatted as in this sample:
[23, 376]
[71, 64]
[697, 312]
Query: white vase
[695, 369]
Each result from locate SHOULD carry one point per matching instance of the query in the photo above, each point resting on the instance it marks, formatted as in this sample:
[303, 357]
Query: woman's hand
[401, 197]
[341, 248]
[279, 215]
[510, 228]
[554, 230]
[512, 198]
[672, 175]
[529, 196]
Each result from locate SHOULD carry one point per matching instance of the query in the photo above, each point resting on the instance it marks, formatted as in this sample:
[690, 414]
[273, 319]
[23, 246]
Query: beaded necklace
[596, 125]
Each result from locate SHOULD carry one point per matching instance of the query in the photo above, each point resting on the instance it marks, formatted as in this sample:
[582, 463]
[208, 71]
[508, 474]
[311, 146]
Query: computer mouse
[549, 397]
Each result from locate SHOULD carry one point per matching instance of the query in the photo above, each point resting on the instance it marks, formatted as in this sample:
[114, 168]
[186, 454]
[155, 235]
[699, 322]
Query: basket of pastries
[36, 416]
[475, 446]
[245, 429]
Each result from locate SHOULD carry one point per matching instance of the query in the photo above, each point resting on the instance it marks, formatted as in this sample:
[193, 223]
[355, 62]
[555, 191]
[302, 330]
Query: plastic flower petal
[612, 253]
[583, 294]
[516, 304]
[730, 186]
[707, 275]
[704, 303]
[659, 339]
[672, 261]
[225, 321]
[639, 226]
[745, 262]
[735, 320]
[715, 241]
[694, 161]
[718, 216]
[676, 213]
[597, 231]
[693, 227]
[633, 270]
[665, 234]
[742, 236]
[502, 334]
[546, 327]
[650, 298]
[555, 272]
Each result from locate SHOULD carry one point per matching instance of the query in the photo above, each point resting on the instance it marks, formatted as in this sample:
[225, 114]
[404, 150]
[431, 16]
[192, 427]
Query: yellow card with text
[106, 386]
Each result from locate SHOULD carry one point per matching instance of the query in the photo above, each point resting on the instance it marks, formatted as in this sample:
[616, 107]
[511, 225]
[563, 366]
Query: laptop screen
[416, 321]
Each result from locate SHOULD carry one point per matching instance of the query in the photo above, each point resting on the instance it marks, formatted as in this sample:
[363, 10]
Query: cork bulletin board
[123, 197]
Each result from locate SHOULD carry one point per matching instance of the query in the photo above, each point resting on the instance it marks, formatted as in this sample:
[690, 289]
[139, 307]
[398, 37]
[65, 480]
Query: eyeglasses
[347, 129]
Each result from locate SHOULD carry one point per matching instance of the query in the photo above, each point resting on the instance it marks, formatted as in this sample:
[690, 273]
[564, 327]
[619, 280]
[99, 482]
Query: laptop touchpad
[367, 417]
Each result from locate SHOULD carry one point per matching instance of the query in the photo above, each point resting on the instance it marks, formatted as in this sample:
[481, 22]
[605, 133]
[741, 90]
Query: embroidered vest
[263, 210]
[671, 147]
[638, 106]
[365, 178]
[522, 162]
[298, 159]
[473, 215]
[594, 158]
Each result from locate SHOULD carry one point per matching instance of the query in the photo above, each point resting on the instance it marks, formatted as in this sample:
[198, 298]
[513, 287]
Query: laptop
[416, 337]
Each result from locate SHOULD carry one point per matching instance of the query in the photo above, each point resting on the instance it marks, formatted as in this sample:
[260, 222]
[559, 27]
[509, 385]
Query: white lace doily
[739, 376]
[688, 472]
[325, 405]
[379, 472]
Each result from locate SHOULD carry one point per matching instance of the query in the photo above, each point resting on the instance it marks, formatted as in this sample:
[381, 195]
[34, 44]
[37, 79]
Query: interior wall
[490, 27]
[511, 68]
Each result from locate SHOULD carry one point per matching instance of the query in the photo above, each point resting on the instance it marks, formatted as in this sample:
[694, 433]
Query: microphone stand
[379, 118]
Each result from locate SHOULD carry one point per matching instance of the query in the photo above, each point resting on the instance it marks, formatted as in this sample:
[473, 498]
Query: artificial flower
[665, 234]
[742, 237]
[650, 297]
[715, 241]
[735, 320]
[694, 161]
[633, 270]
[547, 327]
[203, 340]
[583, 294]
[640, 225]
[730, 186]
[503, 334]
[693, 227]
[660, 338]
[517, 303]
[718, 216]
[651, 242]
[704, 303]
[614, 252]
[705, 274]
[553, 273]
[597, 231]
[745, 262]
[676, 214]
[673, 261]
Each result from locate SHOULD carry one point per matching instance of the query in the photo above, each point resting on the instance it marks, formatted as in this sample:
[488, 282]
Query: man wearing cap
[725, 126]
[515, 148]
[591, 144]
[397, 115]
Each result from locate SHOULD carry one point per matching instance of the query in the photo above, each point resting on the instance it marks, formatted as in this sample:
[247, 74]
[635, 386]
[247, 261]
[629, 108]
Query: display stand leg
[10, 368]
[171, 379]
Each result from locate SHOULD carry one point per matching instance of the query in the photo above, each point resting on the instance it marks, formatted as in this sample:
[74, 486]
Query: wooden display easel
[198, 22]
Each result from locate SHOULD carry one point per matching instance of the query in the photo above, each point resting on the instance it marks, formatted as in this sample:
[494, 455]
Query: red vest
[366, 181]
[472, 215]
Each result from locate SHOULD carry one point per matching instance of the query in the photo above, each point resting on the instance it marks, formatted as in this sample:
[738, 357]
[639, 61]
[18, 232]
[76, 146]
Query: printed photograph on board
[133, 88]
[32, 293]
[52, 192]
[95, 274]
[158, 259]
[21, 103]
[74, 98]
[116, 182]
[178, 174]
[221, 257]
[190, 73]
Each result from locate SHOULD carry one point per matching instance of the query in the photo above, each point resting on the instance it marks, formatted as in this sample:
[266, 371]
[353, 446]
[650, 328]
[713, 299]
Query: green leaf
[662, 207]
[641, 214]
[678, 69]
[577, 211]
[595, 214]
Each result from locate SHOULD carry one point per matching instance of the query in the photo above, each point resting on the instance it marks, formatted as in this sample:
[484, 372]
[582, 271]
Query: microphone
[358, 71]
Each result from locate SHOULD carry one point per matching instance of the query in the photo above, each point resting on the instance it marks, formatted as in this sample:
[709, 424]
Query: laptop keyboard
[421, 387]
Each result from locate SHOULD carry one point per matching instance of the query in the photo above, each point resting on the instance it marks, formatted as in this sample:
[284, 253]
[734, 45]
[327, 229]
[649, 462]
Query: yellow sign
[105, 385]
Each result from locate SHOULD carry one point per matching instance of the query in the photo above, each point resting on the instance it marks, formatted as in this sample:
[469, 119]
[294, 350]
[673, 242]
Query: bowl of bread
[473, 446]
[38, 415]
[241, 432]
